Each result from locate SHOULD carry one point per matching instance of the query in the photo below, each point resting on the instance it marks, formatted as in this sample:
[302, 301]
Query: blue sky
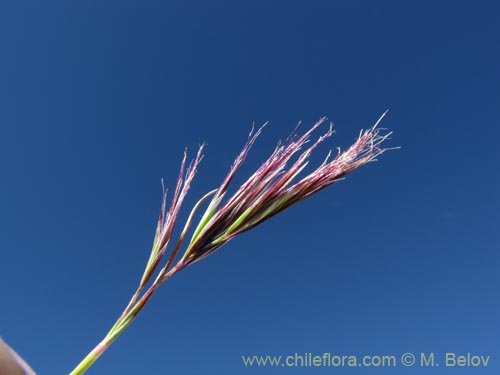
[97, 103]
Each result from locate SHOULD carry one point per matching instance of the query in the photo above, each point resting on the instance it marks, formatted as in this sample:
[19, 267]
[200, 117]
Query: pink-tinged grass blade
[273, 187]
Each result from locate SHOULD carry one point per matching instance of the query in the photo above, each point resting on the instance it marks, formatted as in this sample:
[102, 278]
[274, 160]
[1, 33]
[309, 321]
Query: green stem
[121, 324]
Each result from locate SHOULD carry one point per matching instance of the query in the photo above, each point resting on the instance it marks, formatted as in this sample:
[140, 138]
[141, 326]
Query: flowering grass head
[275, 186]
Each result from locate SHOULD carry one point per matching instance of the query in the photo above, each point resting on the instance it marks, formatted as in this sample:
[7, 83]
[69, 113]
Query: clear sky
[97, 104]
